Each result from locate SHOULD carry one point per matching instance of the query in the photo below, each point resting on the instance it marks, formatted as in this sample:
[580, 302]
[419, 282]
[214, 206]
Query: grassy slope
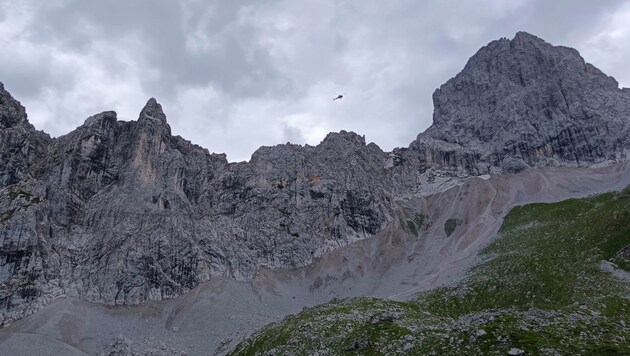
[540, 289]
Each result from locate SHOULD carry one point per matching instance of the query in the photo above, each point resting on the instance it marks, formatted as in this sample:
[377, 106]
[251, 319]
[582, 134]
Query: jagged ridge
[122, 212]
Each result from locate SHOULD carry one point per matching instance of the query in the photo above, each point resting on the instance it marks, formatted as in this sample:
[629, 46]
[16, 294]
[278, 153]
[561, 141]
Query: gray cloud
[233, 76]
[189, 43]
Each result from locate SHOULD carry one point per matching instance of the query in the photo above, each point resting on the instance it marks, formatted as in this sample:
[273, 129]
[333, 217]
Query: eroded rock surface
[523, 102]
[123, 212]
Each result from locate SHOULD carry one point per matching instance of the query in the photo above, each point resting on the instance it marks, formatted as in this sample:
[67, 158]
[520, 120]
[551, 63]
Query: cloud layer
[233, 76]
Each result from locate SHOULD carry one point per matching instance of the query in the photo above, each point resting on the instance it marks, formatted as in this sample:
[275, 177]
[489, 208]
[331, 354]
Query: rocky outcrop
[523, 102]
[20, 143]
[123, 212]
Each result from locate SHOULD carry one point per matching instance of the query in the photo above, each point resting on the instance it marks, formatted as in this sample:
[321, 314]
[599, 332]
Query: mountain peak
[99, 118]
[152, 111]
[343, 136]
[12, 113]
[522, 36]
[529, 100]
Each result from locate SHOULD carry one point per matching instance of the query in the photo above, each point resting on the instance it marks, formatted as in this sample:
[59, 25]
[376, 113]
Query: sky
[236, 75]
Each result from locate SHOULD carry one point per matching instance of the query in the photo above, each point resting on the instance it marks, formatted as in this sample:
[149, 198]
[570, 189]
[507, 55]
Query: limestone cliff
[524, 102]
[123, 212]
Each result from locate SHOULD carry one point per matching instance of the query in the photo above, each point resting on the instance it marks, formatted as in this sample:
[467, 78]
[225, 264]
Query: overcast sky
[235, 75]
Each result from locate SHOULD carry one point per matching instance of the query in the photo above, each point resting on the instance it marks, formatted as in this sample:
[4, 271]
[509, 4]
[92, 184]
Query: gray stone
[515, 351]
[527, 102]
[357, 345]
[121, 212]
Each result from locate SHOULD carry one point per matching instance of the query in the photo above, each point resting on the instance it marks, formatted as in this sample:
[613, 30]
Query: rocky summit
[524, 102]
[122, 212]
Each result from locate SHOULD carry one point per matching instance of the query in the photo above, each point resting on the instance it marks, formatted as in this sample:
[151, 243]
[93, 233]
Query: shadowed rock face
[524, 102]
[123, 212]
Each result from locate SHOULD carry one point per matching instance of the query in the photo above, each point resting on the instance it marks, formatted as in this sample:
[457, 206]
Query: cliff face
[524, 102]
[123, 212]
[20, 143]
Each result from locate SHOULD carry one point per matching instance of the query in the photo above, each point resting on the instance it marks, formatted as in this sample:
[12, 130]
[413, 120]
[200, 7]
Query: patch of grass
[547, 257]
[449, 226]
[540, 289]
[415, 226]
[412, 227]
[419, 220]
[367, 322]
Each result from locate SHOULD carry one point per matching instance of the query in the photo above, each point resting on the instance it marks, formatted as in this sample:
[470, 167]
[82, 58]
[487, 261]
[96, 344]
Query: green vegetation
[416, 224]
[449, 226]
[368, 322]
[540, 288]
